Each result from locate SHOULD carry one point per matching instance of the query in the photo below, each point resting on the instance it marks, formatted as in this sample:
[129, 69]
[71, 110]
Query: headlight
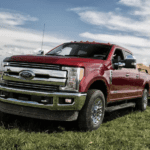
[3, 64]
[74, 77]
[1, 73]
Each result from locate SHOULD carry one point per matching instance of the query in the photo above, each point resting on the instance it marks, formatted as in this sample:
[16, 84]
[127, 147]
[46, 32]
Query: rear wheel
[92, 113]
[143, 101]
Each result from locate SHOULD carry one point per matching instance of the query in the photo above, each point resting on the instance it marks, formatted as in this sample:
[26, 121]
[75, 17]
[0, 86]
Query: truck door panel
[134, 82]
[120, 80]
[120, 84]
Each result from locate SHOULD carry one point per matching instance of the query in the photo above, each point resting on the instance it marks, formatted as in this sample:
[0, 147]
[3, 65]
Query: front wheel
[143, 101]
[92, 113]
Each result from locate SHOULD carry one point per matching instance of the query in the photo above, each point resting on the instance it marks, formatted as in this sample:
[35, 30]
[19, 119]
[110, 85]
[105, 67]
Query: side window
[118, 55]
[128, 54]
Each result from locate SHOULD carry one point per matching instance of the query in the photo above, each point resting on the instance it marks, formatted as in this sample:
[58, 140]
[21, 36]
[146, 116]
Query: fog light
[68, 101]
[1, 94]
[44, 101]
[47, 100]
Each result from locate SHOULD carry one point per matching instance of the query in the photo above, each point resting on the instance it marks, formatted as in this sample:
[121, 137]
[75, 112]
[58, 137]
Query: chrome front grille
[39, 87]
[35, 65]
[43, 76]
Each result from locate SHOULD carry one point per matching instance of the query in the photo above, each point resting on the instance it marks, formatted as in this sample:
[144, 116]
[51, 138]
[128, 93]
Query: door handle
[127, 75]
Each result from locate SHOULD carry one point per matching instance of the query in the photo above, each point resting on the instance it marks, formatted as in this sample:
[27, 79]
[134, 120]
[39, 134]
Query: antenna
[43, 36]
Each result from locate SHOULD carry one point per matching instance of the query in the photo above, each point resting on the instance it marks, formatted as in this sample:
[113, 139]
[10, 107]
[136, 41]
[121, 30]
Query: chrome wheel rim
[97, 111]
[145, 100]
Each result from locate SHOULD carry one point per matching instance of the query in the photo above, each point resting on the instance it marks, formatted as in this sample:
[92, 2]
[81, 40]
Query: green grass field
[121, 130]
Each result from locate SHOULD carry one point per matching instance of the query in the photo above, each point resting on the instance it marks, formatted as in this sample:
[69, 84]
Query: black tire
[92, 113]
[1, 116]
[4, 117]
[143, 101]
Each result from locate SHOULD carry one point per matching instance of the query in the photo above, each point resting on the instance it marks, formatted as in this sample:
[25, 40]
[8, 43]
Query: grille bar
[35, 65]
[31, 86]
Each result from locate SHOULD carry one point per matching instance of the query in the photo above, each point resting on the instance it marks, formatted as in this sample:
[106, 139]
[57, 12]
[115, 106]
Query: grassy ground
[121, 130]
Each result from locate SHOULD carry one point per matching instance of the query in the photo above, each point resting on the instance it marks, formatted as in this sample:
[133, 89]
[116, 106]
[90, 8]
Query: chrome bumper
[79, 99]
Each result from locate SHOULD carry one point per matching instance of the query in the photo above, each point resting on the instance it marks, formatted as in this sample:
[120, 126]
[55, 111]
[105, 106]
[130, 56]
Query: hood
[60, 60]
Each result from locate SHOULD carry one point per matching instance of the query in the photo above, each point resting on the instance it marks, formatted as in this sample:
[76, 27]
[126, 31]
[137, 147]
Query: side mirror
[118, 64]
[40, 52]
[130, 62]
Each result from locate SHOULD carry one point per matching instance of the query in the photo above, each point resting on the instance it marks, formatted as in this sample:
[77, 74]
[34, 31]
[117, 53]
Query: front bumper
[38, 113]
[79, 99]
[34, 109]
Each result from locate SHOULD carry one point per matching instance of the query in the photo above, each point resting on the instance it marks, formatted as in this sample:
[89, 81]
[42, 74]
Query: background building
[141, 67]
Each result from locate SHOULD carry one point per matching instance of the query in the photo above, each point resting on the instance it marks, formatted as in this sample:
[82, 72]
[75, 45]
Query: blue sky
[123, 22]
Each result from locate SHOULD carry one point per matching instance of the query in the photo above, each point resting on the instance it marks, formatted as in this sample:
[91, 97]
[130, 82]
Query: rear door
[135, 83]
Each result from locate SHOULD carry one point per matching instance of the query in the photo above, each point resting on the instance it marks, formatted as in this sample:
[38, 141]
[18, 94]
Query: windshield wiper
[54, 55]
[76, 55]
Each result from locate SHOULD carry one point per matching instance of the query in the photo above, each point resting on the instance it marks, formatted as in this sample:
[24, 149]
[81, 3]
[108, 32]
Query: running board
[113, 108]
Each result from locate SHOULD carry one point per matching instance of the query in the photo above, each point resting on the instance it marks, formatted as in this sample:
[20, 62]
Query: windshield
[82, 50]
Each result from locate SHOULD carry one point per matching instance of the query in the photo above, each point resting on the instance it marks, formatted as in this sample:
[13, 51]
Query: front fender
[88, 81]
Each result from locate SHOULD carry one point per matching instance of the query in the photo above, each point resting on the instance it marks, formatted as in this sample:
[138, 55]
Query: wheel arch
[100, 85]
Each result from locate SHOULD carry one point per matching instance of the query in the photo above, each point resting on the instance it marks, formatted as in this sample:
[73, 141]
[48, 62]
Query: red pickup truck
[74, 81]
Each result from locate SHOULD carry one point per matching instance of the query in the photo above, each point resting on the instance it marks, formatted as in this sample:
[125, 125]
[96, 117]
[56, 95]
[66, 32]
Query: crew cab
[74, 81]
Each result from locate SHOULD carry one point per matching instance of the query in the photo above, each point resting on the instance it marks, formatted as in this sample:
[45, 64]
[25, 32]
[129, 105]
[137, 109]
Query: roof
[87, 42]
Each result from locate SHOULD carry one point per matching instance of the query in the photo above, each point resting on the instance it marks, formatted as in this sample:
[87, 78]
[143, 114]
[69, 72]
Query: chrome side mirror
[119, 65]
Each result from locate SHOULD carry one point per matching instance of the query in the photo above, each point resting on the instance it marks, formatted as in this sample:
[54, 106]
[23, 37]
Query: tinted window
[127, 53]
[82, 50]
[118, 55]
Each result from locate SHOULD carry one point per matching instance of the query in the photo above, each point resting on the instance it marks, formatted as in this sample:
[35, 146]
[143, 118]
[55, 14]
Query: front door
[120, 82]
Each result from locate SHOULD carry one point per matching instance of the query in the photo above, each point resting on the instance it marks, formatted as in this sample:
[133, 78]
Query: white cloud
[119, 39]
[24, 41]
[142, 7]
[135, 3]
[14, 19]
[78, 9]
[17, 41]
[118, 9]
[145, 61]
[113, 21]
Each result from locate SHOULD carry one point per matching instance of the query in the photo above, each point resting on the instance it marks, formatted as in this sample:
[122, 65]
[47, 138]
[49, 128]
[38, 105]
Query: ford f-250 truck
[74, 81]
